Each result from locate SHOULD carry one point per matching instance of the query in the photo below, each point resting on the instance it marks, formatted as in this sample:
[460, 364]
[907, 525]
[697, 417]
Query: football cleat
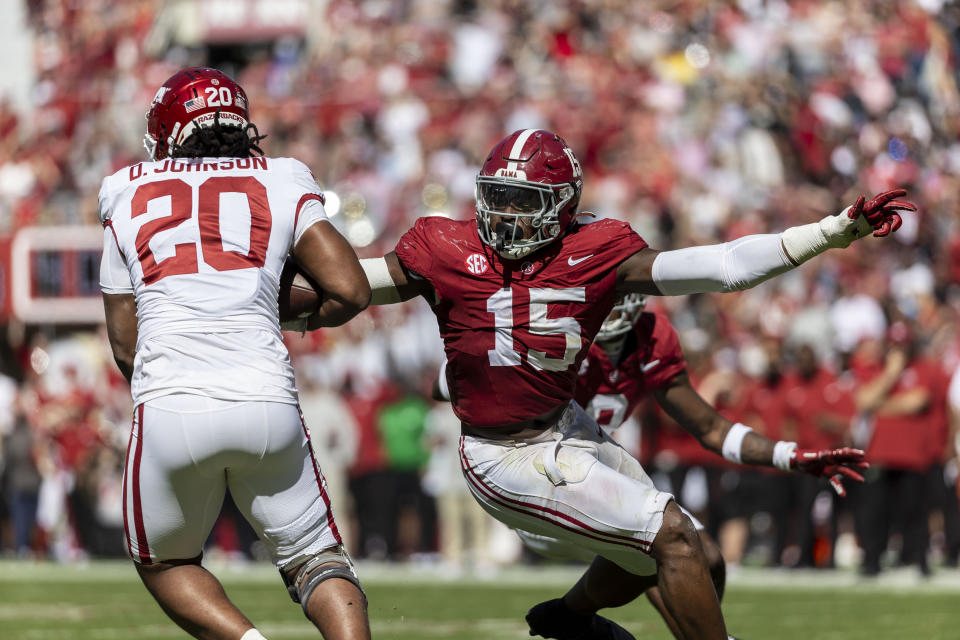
[552, 619]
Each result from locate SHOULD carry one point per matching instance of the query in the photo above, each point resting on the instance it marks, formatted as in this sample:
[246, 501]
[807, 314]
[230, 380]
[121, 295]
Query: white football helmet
[622, 317]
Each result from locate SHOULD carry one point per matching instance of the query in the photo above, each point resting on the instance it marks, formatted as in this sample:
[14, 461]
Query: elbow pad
[731, 266]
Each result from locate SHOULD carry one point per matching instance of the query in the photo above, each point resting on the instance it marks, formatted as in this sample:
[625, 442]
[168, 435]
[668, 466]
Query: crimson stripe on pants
[126, 484]
[523, 507]
[321, 484]
[143, 549]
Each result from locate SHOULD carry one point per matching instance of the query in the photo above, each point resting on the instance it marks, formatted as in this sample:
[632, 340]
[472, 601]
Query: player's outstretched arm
[330, 260]
[738, 443]
[121, 312]
[750, 260]
[391, 282]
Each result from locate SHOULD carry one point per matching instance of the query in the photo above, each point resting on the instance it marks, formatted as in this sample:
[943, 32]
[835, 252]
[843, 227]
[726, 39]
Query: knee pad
[331, 563]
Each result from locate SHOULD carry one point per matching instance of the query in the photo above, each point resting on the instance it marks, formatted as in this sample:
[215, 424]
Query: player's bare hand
[835, 464]
[882, 212]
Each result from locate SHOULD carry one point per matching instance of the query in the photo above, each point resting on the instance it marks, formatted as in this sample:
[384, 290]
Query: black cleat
[552, 619]
[606, 629]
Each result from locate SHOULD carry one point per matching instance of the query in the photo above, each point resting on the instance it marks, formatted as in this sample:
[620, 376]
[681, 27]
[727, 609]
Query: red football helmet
[528, 191]
[626, 310]
[189, 99]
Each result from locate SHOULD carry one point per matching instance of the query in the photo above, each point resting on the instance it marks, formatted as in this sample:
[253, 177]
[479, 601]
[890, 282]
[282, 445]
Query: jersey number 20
[184, 260]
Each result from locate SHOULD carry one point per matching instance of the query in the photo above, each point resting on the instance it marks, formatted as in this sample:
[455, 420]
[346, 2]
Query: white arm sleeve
[383, 288]
[114, 275]
[731, 266]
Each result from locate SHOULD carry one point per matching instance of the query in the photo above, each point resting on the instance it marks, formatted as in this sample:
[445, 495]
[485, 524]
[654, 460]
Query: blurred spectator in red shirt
[760, 404]
[942, 470]
[895, 404]
[370, 480]
[820, 406]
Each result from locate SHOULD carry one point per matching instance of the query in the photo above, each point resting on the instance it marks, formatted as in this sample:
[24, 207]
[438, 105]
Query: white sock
[252, 634]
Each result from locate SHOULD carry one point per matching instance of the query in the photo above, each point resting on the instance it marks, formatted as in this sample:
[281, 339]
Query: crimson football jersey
[516, 331]
[610, 391]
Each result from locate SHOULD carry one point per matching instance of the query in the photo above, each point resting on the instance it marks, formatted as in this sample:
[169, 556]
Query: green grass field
[105, 601]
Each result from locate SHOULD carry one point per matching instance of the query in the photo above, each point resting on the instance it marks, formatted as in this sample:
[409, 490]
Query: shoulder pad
[103, 210]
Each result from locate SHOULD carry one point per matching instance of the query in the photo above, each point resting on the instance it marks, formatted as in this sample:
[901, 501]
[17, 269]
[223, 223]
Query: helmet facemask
[622, 317]
[517, 217]
[150, 144]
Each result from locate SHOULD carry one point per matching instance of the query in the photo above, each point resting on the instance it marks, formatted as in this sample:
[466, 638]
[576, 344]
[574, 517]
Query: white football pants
[185, 450]
[571, 492]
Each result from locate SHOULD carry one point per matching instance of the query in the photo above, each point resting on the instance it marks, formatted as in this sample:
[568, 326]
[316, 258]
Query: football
[299, 294]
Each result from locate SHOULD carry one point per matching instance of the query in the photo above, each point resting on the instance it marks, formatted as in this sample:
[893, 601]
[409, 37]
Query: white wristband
[832, 232]
[734, 442]
[782, 453]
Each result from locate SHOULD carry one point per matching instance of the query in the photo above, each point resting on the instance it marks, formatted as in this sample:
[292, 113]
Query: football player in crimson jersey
[519, 295]
[194, 243]
[635, 354]
[638, 353]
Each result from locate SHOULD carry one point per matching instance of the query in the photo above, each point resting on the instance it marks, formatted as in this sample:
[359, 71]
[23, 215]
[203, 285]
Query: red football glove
[831, 463]
[882, 212]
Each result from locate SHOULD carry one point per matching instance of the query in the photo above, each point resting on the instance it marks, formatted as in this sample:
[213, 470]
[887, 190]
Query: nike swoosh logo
[573, 263]
[650, 365]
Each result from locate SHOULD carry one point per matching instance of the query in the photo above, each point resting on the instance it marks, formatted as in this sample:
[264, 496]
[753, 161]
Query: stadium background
[696, 121]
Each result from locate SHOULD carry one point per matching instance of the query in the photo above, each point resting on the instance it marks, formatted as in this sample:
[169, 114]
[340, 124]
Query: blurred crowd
[696, 121]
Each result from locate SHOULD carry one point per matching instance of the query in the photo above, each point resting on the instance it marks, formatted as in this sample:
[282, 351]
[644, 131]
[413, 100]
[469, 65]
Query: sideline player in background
[519, 295]
[194, 244]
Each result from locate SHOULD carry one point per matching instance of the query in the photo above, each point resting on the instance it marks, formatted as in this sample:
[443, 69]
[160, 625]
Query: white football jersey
[200, 243]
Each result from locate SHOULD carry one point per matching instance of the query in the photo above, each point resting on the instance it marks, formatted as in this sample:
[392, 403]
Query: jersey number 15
[500, 304]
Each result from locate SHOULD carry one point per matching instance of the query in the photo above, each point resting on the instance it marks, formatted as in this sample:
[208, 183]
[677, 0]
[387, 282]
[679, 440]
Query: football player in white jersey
[194, 243]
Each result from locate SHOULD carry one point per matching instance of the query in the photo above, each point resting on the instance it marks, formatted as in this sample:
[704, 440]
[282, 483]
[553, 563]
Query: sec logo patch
[477, 264]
